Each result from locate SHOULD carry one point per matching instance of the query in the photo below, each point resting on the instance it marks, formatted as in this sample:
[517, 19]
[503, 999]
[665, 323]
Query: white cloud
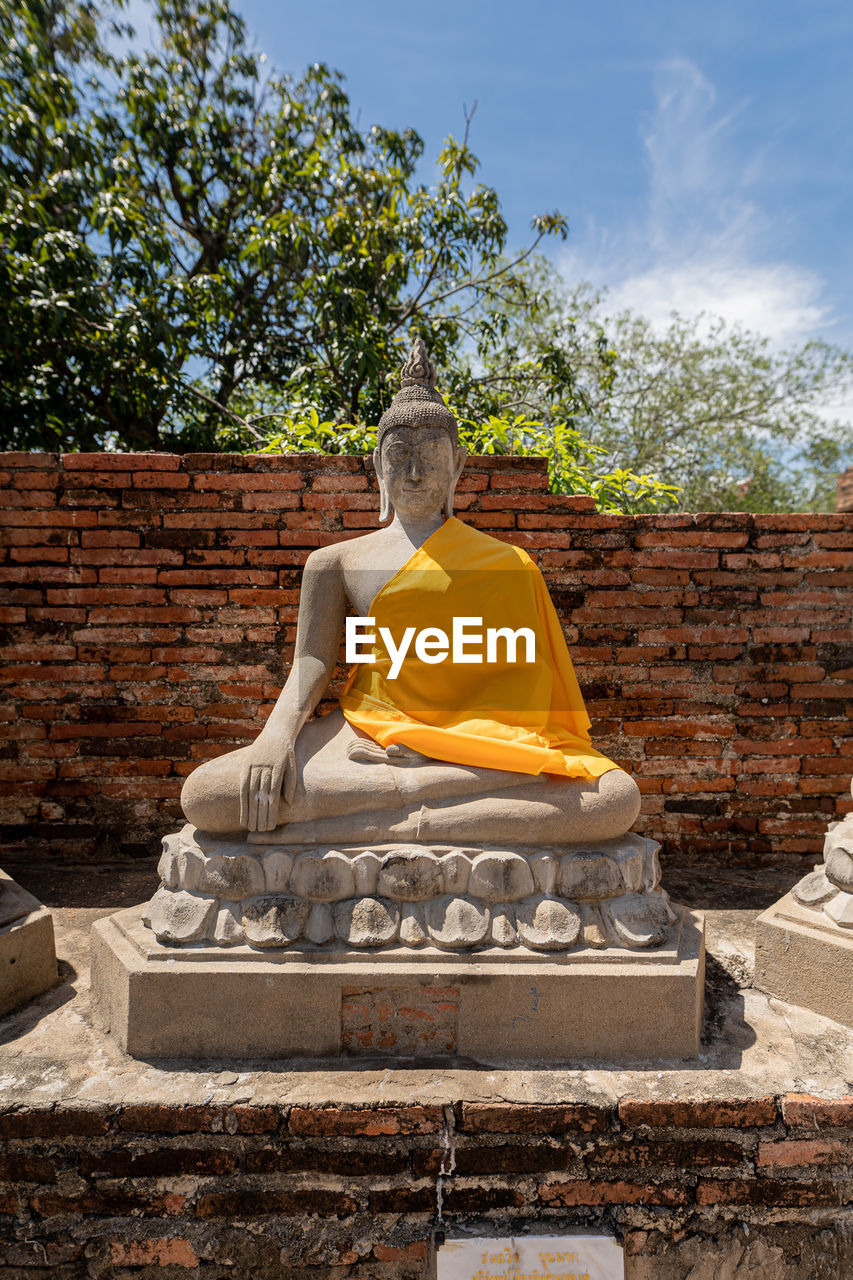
[699, 243]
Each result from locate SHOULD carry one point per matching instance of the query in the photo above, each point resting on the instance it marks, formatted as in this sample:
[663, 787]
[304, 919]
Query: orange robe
[529, 718]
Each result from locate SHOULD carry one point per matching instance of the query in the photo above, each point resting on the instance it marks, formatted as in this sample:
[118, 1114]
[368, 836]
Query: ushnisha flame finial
[418, 371]
[417, 403]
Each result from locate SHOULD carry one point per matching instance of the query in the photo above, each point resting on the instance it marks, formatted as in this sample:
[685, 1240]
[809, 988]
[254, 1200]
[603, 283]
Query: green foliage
[182, 233]
[706, 407]
[574, 465]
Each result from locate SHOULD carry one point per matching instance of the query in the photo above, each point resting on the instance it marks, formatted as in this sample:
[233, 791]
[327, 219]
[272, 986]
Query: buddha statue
[456, 752]
[453, 798]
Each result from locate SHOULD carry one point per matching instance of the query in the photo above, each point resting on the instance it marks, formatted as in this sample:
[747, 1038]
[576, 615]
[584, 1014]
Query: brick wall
[759, 1186]
[150, 603]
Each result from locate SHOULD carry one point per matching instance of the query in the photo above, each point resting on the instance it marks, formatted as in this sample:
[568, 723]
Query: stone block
[805, 958]
[27, 950]
[505, 1007]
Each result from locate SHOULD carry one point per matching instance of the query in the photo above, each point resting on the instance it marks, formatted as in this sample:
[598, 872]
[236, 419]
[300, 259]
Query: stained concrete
[753, 1045]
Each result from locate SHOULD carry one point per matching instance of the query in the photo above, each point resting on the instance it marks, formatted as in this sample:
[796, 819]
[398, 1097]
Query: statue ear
[459, 462]
[384, 500]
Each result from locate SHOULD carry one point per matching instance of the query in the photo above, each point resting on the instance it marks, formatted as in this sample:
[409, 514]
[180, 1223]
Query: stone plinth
[27, 951]
[329, 1002]
[804, 942]
[803, 957]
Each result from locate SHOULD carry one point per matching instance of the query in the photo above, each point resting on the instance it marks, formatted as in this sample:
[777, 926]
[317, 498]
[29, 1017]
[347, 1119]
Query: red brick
[156, 1118]
[160, 480]
[507, 1117]
[265, 1202]
[121, 461]
[366, 1121]
[740, 1113]
[53, 1124]
[767, 1193]
[566, 1194]
[173, 1252]
[805, 1110]
[408, 1253]
[798, 1154]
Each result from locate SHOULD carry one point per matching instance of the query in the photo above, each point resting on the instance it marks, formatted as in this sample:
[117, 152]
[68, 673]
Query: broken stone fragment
[503, 925]
[839, 862]
[840, 909]
[411, 876]
[593, 926]
[232, 877]
[327, 878]
[632, 865]
[413, 930]
[274, 920]
[277, 866]
[366, 922]
[814, 889]
[456, 872]
[179, 915]
[637, 919]
[500, 877]
[548, 924]
[365, 868]
[320, 927]
[228, 929]
[457, 922]
[544, 867]
[590, 876]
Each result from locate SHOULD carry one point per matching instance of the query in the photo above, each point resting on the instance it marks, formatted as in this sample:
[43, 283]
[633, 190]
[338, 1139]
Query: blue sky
[703, 153]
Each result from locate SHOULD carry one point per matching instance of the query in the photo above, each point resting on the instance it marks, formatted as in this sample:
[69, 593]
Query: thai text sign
[532, 1258]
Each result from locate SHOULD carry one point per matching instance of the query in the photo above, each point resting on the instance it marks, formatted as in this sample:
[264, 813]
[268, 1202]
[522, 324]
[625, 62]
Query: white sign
[532, 1258]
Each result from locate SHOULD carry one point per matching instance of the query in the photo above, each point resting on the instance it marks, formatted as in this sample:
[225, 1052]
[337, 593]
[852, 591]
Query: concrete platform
[617, 1005]
[27, 951]
[804, 958]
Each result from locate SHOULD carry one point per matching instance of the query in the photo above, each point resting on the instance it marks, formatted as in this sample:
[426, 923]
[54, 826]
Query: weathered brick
[593, 1193]
[769, 1193]
[53, 1124]
[507, 1117]
[171, 1252]
[740, 1113]
[265, 1202]
[366, 1121]
[803, 1110]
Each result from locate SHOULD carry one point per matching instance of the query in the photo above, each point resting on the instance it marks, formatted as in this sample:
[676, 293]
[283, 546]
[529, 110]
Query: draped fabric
[526, 717]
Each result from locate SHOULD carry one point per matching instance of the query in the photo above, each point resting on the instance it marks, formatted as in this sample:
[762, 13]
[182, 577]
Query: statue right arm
[270, 768]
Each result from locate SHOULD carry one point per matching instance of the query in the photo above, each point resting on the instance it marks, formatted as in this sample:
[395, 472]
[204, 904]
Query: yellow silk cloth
[529, 718]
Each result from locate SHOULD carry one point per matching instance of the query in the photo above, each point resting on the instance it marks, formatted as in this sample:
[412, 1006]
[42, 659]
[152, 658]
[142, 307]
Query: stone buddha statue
[454, 793]
[403, 758]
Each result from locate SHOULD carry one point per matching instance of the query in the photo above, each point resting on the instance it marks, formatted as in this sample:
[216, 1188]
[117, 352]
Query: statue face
[419, 467]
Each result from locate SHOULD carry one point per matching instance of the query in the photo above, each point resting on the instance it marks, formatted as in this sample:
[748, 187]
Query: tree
[197, 237]
[51, 275]
[706, 407]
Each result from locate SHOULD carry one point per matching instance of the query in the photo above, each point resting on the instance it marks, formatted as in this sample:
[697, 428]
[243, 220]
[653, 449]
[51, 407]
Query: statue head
[418, 458]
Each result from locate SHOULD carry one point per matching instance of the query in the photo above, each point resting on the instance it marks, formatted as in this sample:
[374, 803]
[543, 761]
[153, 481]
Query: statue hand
[268, 770]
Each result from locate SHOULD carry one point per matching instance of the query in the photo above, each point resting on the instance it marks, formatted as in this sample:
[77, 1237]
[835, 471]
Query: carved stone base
[804, 943]
[27, 954]
[409, 895]
[493, 1007]
[805, 958]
